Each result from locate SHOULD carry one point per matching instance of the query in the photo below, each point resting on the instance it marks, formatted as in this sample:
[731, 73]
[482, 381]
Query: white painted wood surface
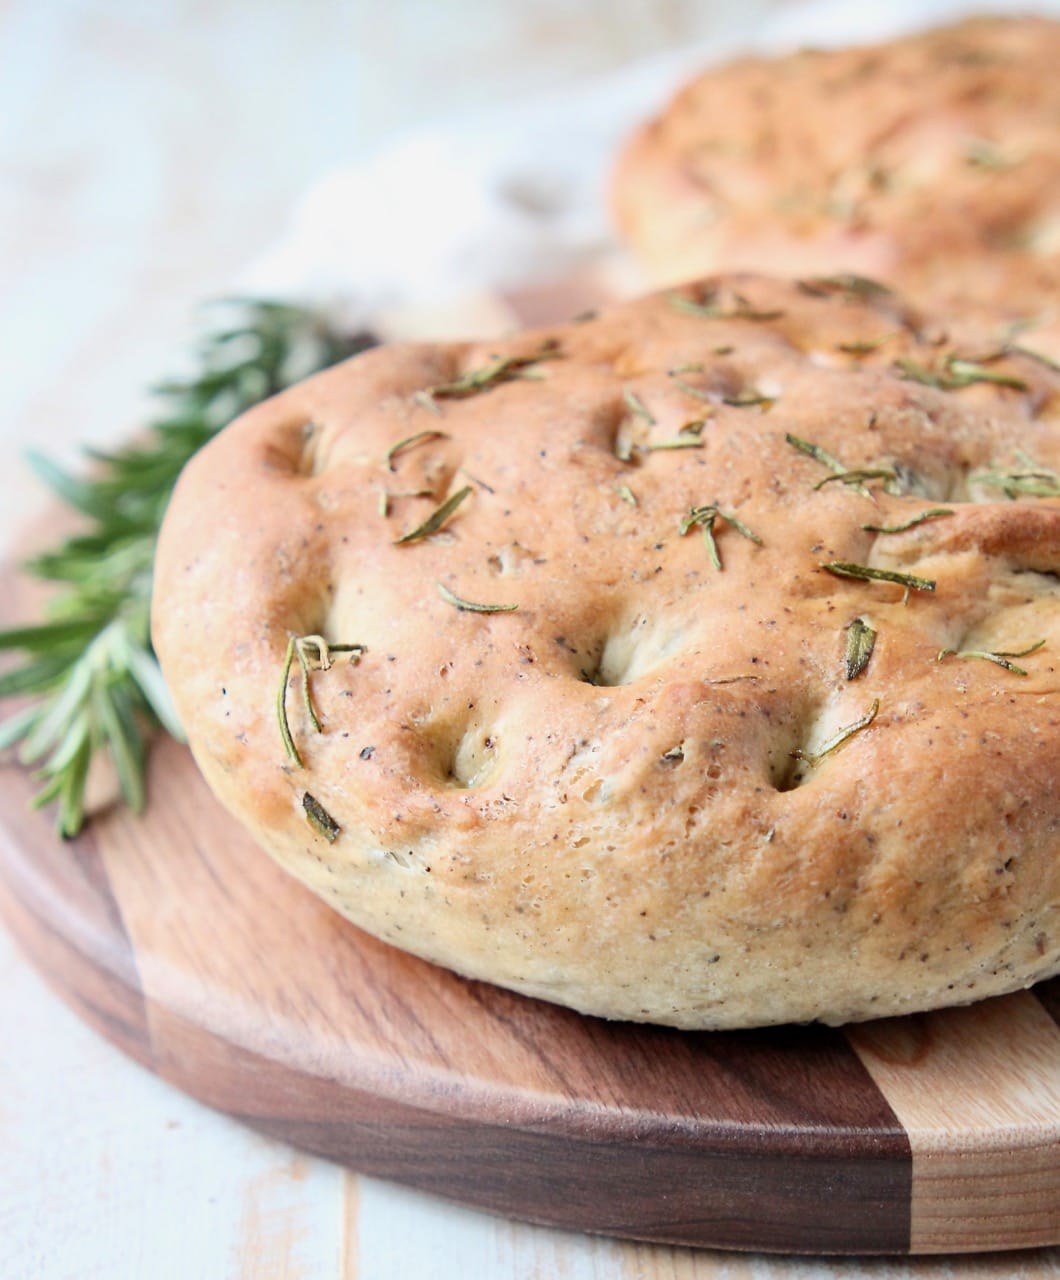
[147, 153]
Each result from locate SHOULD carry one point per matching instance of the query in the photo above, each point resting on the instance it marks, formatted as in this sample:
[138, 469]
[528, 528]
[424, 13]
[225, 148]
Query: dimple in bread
[749, 742]
[932, 162]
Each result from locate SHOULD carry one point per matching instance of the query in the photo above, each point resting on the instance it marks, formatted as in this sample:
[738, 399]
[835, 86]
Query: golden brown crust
[932, 162]
[594, 798]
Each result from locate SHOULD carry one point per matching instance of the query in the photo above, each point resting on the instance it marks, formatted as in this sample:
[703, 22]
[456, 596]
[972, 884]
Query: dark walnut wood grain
[183, 944]
[263, 1003]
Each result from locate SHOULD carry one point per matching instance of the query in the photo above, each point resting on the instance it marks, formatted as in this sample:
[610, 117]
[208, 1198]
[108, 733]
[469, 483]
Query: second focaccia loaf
[932, 162]
[709, 667]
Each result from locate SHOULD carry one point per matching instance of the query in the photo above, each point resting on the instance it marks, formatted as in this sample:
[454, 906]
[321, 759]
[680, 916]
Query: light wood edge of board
[939, 1072]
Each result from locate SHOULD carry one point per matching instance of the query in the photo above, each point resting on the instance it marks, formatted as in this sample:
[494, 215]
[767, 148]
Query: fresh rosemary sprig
[89, 668]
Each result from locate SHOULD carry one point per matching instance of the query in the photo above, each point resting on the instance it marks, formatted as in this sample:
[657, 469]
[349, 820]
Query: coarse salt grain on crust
[932, 162]
[614, 796]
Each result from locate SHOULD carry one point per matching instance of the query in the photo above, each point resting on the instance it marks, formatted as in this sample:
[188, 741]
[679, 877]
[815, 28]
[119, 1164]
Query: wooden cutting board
[184, 945]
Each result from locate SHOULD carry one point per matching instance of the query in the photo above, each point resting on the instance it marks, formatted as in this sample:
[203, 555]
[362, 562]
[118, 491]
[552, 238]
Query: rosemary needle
[435, 520]
[837, 739]
[861, 640]
[1000, 657]
[298, 647]
[863, 572]
[469, 606]
[89, 667]
[706, 517]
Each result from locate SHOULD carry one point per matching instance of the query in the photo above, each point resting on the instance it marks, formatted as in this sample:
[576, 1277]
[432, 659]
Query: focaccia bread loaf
[931, 162]
[665, 779]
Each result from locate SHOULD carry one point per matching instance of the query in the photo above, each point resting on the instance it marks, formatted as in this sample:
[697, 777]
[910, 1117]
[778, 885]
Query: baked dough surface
[609, 797]
[932, 162]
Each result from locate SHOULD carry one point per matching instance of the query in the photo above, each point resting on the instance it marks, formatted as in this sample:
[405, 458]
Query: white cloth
[519, 195]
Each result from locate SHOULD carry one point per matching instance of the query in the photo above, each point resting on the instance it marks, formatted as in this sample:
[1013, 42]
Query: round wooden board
[183, 944]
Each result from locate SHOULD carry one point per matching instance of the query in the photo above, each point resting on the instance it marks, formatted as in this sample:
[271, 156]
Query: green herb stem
[840, 737]
[999, 658]
[90, 668]
[470, 606]
[862, 572]
[707, 517]
[435, 520]
[861, 640]
[935, 513]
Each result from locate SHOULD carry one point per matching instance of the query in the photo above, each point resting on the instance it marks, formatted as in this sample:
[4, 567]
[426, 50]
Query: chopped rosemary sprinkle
[749, 398]
[934, 513]
[956, 373]
[863, 346]
[837, 739]
[499, 369]
[410, 442]
[964, 372]
[861, 640]
[425, 399]
[853, 286]
[845, 569]
[1016, 349]
[638, 407]
[839, 471]
[706, 517]
[626, 494]
[981, 153]
[319, 819]
[687, 387]
[297, 647]
[470, 606]
[1029, 482]
[815, 452]
[385, 496]
[687, 438]
[712, 310]
[434, 521]
[1000, 657]
[858, 476]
